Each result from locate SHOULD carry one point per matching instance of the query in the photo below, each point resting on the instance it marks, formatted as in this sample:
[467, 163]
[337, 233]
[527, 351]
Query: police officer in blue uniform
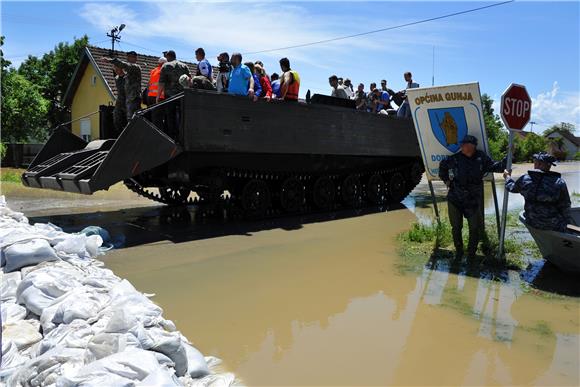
[547, 201]
[463, 174]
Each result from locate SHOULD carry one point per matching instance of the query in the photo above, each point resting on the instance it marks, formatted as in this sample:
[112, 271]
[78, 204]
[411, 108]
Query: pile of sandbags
[68, 321]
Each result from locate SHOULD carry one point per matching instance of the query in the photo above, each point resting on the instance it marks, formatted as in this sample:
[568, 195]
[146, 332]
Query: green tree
[561, 127]
[497, 136]
[23, 109]
[531, 144]
[52, 74]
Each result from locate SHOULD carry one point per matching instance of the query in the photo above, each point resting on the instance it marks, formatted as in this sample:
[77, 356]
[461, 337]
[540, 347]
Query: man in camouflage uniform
[547, 201]
[132, 82]
[170, 86]
[120, 111]
[463, 173]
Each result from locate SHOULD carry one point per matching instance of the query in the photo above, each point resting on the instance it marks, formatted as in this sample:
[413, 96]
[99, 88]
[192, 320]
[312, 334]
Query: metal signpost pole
[434, 202]
[516, 110]
[505, 199]
[496, 205]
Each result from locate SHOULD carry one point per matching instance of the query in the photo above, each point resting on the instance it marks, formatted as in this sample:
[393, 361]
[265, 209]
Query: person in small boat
[547, 201]
[463, 173]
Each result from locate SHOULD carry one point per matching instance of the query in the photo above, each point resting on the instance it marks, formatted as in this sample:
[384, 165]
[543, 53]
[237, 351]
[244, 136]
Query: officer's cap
[545, 157]
[170, 53]
[469, 139]
[132, 53]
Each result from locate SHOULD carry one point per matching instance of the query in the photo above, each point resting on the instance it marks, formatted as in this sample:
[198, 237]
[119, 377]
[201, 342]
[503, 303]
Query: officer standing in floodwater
[463, 174]
[547, 201]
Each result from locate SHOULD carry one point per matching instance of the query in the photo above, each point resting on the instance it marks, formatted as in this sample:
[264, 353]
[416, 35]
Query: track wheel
[417, 172]
[350, 191]
[376, 189]
[397, 187]
[323, 192]
[256, 198]
[292, 195]
[174, 195]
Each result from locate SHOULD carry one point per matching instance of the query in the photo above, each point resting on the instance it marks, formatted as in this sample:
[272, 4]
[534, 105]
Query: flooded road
[326, 300]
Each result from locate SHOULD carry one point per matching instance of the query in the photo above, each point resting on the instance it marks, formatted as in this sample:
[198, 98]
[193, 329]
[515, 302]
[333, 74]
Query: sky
[533, 43]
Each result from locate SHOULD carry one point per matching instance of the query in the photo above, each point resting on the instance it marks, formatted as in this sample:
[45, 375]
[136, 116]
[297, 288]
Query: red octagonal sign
[516, 107]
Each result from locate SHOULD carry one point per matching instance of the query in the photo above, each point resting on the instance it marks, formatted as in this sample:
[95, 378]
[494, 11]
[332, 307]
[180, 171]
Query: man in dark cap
[463, 174]
[547, 201]
[169, 86]
[132, 81]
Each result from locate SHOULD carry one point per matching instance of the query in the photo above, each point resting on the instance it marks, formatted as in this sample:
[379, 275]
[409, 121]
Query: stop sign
[516, 107]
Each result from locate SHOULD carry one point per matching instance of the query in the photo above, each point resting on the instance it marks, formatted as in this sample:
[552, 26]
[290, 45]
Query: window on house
[86, 129]
[93, 80]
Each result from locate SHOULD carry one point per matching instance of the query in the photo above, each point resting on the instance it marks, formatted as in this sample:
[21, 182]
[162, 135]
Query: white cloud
[251, 26]
[554, 106]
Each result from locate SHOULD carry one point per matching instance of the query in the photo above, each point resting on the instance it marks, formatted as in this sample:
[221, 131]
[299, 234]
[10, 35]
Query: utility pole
[115, 37]
[532, 123]
[433, 69]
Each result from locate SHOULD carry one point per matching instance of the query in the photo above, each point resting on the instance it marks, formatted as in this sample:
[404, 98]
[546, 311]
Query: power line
[382, 29]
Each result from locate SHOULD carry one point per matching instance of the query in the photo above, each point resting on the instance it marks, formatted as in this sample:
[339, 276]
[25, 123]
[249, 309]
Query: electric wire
[381, 29]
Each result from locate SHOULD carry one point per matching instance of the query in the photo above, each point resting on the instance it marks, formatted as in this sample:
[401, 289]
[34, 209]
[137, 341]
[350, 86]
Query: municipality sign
[443, 116]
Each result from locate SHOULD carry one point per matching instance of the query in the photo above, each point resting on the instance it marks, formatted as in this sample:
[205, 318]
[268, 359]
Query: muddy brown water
[324, 299]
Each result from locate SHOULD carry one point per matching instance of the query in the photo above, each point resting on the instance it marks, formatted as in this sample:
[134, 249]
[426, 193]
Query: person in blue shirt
[241, 81]
[383, 100]
[275, 80]
[257, 86]
[203, 66]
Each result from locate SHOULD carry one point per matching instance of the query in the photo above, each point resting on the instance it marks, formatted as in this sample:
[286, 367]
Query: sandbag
[214, 380]
[11, 358]
[8, 285]
[131, 365]
[105, 344]
[196, 365]
[78, 334]
[33, 252]
[12, 313]
[23, 333]
[80, 245]
[169, 344]
[45, 369]
[39, 288]
[159, 378]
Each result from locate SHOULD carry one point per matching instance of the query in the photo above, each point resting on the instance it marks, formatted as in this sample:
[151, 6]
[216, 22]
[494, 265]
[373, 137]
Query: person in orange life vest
[153, 86]
[290, 83]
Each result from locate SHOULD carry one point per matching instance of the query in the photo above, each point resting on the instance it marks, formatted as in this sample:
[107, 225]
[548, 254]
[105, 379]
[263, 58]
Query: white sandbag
[45, 369]
[8, 285]
[213, 380]
[169, 344]
[25, 254]
[39, 288]
[23, 333]
[105, 344]
[11, 358]
[159, 378]
[12, 313]
[129, 308]
[78, 334]
[80, 245]
[133, 364]
[196, 365]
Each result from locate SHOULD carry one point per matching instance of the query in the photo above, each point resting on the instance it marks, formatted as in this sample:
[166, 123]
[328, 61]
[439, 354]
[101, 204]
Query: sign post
[443, 115]
[516, 109]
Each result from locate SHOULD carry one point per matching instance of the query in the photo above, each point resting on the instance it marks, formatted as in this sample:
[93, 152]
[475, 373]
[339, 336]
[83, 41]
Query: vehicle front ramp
[69, 164]
[140, 147]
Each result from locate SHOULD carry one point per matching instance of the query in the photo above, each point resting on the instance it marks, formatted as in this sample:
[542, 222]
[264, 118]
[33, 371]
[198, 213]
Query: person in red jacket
[264, 82]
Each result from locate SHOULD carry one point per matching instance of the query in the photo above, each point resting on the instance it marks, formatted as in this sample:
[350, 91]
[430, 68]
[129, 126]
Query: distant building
[570, 144]
[92, 88]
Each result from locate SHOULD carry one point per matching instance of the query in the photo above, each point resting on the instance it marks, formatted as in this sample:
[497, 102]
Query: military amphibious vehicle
[255, 156]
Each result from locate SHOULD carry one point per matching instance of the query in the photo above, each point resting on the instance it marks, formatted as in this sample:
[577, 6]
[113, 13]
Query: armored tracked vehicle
[257, 157]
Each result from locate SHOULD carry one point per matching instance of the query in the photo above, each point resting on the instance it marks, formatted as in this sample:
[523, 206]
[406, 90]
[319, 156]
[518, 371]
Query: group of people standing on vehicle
[171, 76]
[380, 101]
